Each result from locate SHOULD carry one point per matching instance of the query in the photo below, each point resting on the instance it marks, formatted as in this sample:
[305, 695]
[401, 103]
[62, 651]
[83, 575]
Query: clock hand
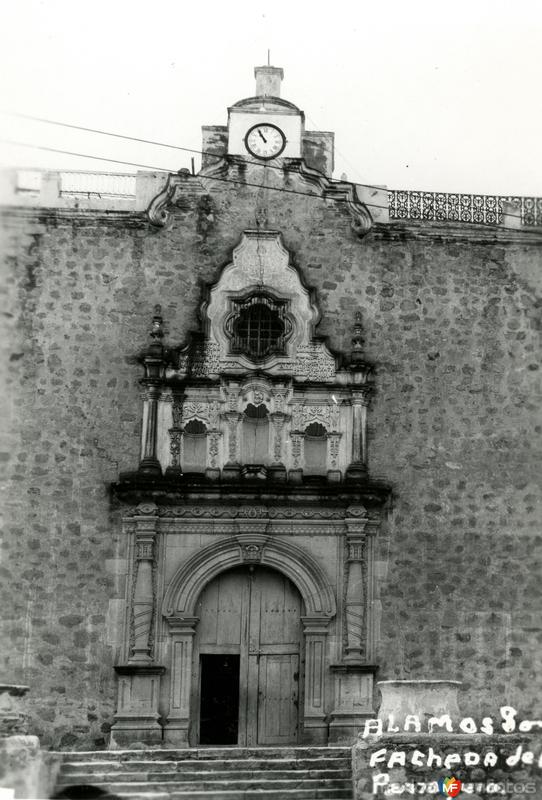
[262, 136]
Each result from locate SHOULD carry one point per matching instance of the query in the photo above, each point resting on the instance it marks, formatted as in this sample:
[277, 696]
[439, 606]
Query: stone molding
[245, 512]
[294, 562]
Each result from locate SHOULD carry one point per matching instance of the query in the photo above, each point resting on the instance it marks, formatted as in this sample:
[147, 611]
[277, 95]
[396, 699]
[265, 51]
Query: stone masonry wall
[450, 317]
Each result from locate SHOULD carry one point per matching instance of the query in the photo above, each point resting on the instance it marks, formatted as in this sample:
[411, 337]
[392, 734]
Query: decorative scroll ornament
[172, 195]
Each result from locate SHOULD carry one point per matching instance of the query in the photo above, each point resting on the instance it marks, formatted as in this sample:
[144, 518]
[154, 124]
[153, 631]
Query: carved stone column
[143, 602]
[149, 463]
[137, 718]
[358, 465]
[176, 436]
[315, 728]
[182, 631]
[153, 362]
[355, 600]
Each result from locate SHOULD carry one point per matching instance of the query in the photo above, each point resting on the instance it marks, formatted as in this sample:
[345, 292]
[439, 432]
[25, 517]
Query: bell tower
[284, 142]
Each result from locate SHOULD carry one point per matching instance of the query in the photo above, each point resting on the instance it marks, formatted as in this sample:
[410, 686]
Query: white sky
[421, 94]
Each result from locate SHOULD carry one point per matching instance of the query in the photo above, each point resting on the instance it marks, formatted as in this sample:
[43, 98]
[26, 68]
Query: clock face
[265, 141]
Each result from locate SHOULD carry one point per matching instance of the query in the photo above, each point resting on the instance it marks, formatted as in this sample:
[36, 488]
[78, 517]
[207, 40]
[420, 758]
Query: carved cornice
[244, 512]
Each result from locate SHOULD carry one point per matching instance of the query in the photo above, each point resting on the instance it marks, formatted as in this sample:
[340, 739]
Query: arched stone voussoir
[299, 566]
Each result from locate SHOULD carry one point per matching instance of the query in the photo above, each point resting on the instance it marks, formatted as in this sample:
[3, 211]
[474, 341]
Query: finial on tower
[268, 79]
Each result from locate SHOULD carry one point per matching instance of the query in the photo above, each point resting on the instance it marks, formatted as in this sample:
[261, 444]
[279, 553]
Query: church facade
[268, 447]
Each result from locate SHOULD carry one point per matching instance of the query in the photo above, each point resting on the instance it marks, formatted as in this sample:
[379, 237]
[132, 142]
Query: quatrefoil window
[258, 326]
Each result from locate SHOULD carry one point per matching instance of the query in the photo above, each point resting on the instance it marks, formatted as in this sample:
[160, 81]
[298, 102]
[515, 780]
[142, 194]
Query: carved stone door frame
[179, 610]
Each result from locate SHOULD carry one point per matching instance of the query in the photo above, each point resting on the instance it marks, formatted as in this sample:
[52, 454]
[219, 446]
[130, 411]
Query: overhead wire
[177, 147]
[144, 141]
[185, 149]
[168, 169]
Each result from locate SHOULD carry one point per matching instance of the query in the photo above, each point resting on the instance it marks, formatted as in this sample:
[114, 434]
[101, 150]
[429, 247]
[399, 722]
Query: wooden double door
[248, 660]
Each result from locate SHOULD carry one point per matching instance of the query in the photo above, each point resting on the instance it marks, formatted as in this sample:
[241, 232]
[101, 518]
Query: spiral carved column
[143, 602]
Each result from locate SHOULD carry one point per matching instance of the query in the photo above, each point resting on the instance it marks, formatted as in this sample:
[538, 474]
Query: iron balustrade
[450, 207]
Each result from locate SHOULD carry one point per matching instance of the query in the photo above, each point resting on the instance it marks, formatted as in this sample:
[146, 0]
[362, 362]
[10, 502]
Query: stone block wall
[451, 320]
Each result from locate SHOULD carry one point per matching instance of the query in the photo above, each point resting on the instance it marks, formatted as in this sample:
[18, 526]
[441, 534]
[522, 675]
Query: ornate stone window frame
[258, 295]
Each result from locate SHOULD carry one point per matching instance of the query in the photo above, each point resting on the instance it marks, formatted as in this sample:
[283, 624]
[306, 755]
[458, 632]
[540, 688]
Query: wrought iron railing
[477, 208]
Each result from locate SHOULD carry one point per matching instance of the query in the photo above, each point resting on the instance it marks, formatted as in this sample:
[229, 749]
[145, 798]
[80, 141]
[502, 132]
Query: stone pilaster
[137, 718]
[315, 727]
[182, 630]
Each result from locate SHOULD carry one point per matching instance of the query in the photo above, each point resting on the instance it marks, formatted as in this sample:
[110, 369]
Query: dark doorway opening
[219, 710]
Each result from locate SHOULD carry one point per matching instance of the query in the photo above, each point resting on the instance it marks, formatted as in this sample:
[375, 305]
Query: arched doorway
[179, 609]
[248, 659]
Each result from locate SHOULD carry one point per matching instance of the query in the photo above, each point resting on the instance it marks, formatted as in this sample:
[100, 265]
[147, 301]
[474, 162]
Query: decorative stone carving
[143, 591]
[206, 360]
[175, 444]
[278, 423]
[314, 362]
[334, 446]
[296, 563]
[213, 440]
[214, 414]
[177, 411]
[250, 512]
[297, 440]
[233, 424]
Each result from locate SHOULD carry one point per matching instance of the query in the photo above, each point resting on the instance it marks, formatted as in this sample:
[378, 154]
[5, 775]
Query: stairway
[228, 773]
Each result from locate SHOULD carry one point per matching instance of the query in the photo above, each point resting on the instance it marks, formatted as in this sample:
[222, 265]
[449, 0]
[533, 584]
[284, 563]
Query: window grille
[259, 328]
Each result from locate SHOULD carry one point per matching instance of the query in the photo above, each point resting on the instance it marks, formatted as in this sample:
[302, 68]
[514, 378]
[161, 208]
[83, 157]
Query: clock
[265, 141]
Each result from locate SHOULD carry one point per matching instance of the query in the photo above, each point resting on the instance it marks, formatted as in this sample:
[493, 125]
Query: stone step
[206, 753]
[220, 773]
[271, 794]
[232, 784]
[67, 778]
[92, 767]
